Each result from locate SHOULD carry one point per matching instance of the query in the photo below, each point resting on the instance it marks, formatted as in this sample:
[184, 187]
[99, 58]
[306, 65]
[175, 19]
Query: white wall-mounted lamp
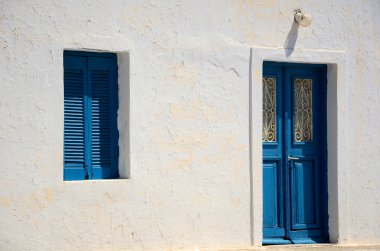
[303, 19]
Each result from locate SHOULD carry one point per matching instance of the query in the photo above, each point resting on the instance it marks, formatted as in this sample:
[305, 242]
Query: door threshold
[275, 241]
[281, 241]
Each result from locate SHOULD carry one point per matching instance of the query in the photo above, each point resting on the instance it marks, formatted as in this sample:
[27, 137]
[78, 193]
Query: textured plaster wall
[189, 143]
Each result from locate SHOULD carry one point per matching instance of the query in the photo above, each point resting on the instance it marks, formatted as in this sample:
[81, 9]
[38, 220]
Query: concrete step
[303, 247]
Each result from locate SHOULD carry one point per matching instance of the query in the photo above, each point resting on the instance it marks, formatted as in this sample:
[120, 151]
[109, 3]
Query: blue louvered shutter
[90, 116]
[104, 101]
[75, 78]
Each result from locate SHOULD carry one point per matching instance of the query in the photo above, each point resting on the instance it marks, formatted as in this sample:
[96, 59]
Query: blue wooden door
[294, 153]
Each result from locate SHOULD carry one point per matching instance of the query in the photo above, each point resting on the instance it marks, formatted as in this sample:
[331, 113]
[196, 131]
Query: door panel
[305, 147]
[294, 153]
[304, 191]
[273, 167]
[273, 217]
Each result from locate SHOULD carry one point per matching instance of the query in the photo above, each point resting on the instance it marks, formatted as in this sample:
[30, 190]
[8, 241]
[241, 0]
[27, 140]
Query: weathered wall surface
[189, 117]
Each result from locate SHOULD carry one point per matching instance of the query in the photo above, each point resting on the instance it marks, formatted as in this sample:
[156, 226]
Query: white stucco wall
[191, 181]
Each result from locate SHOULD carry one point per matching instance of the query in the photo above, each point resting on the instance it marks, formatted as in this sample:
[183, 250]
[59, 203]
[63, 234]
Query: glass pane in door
[303, 112]
[269, 110]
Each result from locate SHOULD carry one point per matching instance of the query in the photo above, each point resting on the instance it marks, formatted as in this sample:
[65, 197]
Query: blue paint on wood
[295, 207]
[91, 102]
[75, 79]
[305, 194]
[273, 158]
[270, 195]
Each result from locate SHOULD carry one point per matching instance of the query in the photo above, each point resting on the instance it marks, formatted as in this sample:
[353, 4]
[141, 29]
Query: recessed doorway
[294, 137]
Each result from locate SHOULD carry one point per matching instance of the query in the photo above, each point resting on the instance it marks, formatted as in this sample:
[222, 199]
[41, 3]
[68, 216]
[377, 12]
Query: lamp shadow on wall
[291, 39]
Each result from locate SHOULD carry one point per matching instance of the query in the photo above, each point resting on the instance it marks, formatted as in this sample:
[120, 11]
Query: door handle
[292, 158]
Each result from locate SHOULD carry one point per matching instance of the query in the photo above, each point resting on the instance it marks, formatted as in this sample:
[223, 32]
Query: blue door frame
[295, 154]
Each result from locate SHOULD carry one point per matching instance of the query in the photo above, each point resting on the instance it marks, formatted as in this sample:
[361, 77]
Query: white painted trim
[123, 113]
[338, 203]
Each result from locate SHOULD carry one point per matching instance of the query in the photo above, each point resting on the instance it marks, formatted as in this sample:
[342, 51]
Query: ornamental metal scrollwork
[269, 110]
[303, 110]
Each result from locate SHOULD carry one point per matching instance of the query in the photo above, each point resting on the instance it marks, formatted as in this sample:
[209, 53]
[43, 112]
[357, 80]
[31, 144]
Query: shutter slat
[74, 123]
[101, 130]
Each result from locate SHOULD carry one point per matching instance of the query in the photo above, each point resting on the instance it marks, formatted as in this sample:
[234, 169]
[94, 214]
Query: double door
[294, 153]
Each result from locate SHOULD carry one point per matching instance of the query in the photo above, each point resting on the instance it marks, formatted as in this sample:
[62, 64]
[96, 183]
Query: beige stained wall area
[184, 114]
